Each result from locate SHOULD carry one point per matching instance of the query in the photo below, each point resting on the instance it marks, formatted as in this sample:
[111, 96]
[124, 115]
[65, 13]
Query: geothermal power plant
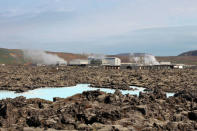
[137, 61]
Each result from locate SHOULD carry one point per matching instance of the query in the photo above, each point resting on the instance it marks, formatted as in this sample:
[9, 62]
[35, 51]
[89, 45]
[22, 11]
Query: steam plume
[143, 59]
[41, 57]
[150, 60]
[97, 56]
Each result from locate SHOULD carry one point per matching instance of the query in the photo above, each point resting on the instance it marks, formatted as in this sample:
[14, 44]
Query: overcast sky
[159, 27]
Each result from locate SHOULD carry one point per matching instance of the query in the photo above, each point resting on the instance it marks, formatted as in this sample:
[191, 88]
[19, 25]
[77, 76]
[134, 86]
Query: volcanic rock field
[96, 110]
[23, 78]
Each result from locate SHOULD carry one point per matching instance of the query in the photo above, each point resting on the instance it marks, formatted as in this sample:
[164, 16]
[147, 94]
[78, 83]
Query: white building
[78, 62]
[165, 63]
[112, 61]
[179, 66]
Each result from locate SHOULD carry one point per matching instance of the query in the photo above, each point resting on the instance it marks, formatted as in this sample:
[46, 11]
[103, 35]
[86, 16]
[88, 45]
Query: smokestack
[41, 57]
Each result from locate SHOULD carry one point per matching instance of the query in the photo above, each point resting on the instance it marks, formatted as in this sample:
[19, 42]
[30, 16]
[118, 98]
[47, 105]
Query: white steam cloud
[96, 56]
[41, 57]
[143, 59]
[150, 60]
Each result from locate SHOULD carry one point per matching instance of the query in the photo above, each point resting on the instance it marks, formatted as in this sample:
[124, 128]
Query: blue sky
[160, 27]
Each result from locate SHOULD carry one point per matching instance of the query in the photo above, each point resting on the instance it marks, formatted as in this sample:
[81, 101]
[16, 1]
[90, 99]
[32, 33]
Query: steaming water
[49, 93]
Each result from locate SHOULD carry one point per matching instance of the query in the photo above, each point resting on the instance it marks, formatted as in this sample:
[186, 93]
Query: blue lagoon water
[169, 94]
[49, 93]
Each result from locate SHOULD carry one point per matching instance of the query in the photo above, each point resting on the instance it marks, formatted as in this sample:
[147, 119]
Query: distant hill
[16, 56]
[69, 56]
[11, 56]
[189, 53]
[188, 60]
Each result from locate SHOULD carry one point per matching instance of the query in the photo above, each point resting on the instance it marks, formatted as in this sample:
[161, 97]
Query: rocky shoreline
[96, 110]
[24, 78]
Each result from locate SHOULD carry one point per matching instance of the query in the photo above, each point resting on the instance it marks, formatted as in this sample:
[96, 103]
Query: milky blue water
[169, 94]
[49, 93]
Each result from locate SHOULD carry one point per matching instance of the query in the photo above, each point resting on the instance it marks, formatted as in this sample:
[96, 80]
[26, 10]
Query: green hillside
[8, 56]
[16, 57]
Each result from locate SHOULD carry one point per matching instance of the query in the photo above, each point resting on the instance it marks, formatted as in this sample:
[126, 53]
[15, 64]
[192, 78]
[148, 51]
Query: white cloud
[35, 8]
[62, 21]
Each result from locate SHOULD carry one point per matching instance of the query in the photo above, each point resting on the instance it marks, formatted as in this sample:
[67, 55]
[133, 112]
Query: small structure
[146, 67]
[179, 66]
[95, 61]
[156, 67]
[165, 63]
[78, 62]
[112, 61]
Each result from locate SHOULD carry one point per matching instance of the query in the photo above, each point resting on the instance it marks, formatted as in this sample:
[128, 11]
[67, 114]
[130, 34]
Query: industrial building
[115, 63]
[107, 61]
[95, 61]
[78, 62]
[179, 66]
[150, 67]
[165, 63]
[112, 61]
[147, 67]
